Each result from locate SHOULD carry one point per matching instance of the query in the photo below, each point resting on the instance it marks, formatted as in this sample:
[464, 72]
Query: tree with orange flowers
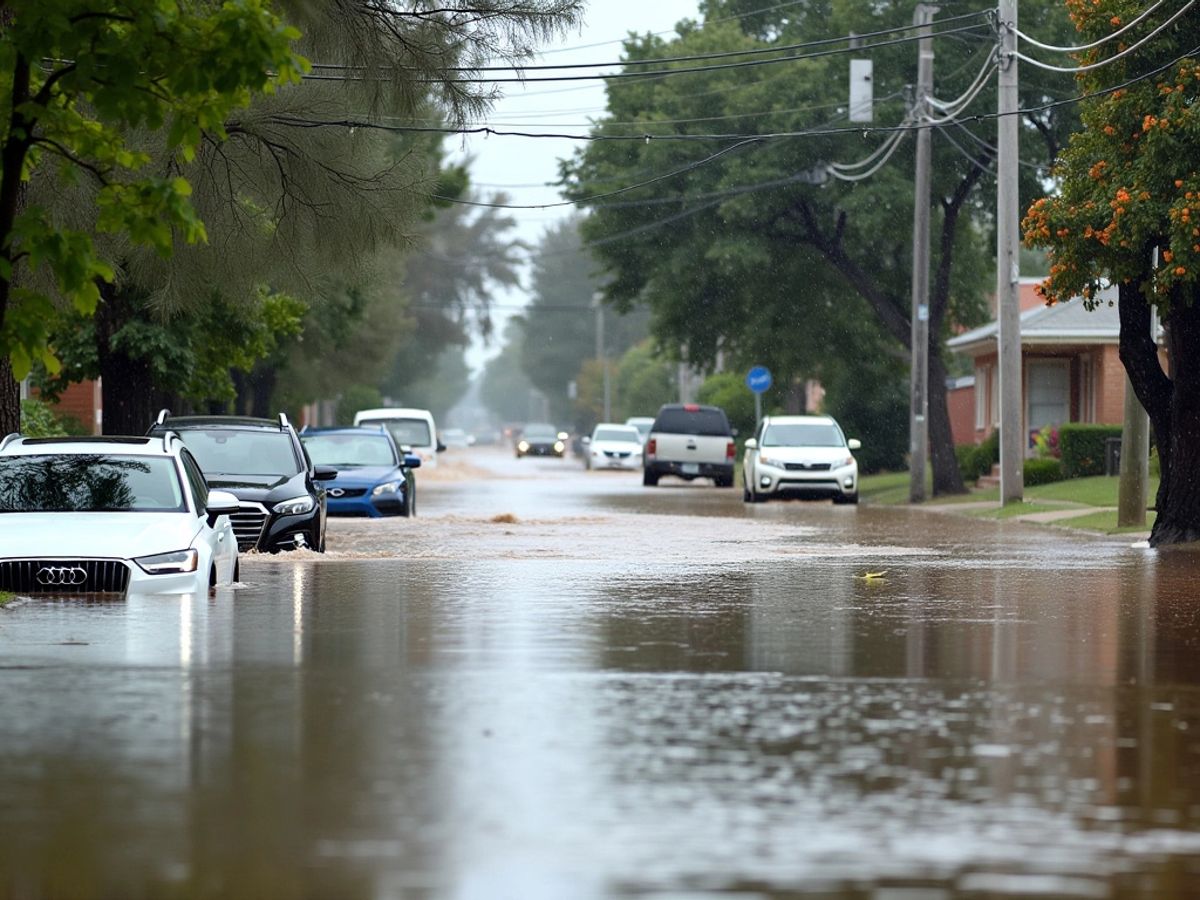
[1128, 213]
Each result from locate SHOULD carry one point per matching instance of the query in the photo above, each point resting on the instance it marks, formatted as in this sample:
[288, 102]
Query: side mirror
[854, 444]
[412, 461]
[586, 441]
[440, 446]
[220, 503]
[751, 444]
[324, 473]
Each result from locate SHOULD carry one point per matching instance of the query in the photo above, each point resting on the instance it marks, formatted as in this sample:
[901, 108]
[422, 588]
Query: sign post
[758, 380]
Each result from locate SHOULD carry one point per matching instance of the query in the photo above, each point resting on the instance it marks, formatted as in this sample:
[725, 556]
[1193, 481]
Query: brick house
[1071, 371]
[81, 401]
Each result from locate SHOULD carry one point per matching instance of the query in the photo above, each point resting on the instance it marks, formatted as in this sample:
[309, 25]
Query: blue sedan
[374, 477]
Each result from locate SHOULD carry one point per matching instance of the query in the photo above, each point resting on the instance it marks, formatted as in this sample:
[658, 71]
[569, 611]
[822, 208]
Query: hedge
[1082, 448]
[1044, 470]
[976, 460]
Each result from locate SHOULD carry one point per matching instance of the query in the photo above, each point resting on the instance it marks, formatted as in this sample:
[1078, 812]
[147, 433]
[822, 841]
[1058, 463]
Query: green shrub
[1082, 448]
[38, 419]
[976, 460]
[1043, 470]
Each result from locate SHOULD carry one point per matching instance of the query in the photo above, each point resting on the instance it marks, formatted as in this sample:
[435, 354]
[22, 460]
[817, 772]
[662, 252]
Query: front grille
[614, 454]
[248, 523]
[808, 467]
[348, 492]
[63, 576]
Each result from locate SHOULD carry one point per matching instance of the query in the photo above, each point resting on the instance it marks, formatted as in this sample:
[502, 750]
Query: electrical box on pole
[862, 90]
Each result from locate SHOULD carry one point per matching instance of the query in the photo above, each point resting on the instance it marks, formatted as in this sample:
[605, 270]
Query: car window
[808, 434]
[413, 432]
[617, 434]
[349, 449]
[227, 451]
[196, 480]
[692, 421]
[90, 482]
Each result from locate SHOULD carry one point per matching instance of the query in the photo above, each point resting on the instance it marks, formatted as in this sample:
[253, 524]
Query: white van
[409, 428]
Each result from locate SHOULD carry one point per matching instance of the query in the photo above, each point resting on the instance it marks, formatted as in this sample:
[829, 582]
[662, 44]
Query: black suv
[263, 464]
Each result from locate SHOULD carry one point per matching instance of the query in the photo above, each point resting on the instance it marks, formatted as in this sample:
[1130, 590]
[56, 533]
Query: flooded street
[560, 684]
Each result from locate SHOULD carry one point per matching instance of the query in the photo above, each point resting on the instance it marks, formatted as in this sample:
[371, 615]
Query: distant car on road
[690, 441]
[262, 463]
[374, 478]
[613, 446]
[457, 438]
[110, 515]
[643, 424]
[800, 456]
[541, 439]
[412, 429]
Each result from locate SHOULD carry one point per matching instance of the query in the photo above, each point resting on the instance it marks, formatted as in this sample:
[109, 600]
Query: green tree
[1127, 214]
[77, 79]
[505, 388]
[757, 254]
[645, 380]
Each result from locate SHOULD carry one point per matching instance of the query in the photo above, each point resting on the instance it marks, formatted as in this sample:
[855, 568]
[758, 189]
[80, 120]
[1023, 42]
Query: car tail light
[730, 450]
[691, 407]
[651, 446]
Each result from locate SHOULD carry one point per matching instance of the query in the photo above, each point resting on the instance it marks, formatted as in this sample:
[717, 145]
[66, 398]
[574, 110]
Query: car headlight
[523, 446]
[558, 446]
[391, 487]
[848, 461]
[768, 460]
[173, 563]
[296, 506]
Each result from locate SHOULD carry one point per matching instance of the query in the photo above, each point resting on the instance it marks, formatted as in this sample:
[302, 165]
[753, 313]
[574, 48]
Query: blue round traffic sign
[758, 379]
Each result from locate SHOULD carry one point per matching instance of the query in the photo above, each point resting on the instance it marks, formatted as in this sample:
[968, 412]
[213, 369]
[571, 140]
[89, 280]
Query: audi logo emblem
[61, 575]
[336, 492]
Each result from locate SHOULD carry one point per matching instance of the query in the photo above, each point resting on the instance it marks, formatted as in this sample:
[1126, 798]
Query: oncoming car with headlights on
[374, 478]
[540, 439]
[111, 515]
[800, 456]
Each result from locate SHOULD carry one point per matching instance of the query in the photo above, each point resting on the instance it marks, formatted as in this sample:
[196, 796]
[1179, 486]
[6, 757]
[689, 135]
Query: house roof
[1063, 323]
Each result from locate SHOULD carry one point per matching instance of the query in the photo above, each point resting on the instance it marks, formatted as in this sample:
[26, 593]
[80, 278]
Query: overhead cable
[1110, 59]
[1082, 47]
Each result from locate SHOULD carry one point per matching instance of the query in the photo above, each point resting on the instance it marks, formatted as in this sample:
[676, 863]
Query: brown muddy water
[559, 684]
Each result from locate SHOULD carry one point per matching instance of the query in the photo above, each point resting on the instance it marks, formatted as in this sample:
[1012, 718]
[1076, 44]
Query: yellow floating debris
[870, 576]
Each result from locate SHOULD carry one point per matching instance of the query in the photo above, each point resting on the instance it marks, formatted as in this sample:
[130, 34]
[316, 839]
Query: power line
[1104, 40]
[1111, 59]
[695, 57]
[656, 73]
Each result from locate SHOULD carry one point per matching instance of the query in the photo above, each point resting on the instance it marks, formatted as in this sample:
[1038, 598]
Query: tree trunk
[128, 395]
[947, 479]
[1178, 502]
[10, 399]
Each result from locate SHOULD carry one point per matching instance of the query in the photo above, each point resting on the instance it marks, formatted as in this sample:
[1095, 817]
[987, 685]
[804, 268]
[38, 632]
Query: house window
[983, 375]
[1049, 398]
[1087, 389]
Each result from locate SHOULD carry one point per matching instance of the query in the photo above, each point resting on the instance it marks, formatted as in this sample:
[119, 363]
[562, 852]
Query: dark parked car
[263, 464]
[374, 477]
[540, 439]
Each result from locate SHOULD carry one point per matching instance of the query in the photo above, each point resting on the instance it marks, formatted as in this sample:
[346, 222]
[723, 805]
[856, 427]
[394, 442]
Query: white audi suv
[111, 515]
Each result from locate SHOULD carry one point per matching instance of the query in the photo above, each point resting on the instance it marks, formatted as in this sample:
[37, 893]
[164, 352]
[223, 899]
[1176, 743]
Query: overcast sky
[521, 167]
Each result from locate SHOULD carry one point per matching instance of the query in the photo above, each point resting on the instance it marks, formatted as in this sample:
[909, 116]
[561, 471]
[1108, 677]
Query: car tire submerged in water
[846, 499]
[723, 481]
[649, 479]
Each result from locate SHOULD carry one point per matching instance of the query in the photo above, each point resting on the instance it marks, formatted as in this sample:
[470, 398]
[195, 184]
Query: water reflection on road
[611, 692]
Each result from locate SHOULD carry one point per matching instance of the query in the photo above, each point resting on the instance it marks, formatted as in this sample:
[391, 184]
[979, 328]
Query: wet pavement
[559, 684]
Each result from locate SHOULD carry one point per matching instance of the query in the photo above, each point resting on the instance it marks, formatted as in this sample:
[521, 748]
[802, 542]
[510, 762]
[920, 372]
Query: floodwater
[558, 684]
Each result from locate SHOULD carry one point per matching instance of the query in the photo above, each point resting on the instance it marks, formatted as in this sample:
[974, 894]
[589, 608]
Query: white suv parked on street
[111, 515]
[800, 456]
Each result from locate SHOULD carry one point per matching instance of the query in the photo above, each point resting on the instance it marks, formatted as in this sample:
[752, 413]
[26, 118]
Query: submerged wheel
[649, 479]
[237, 571]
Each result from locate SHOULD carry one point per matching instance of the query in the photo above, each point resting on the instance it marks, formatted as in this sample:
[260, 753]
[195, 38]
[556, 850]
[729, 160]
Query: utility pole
[919, 408]
[1008, 268]
[598, 303]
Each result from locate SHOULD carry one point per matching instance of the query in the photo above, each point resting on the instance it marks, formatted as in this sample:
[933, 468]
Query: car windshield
[540, 433]
[349, 449]
[405, 432]
[89, 482]
[808, 434]
[228, 451]
[628, 435]
[692, 421]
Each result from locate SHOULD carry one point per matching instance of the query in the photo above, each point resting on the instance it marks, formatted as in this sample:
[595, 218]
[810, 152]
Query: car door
[220, 536]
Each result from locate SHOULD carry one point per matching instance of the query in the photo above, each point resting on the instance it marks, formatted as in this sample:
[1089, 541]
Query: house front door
[1049, 395]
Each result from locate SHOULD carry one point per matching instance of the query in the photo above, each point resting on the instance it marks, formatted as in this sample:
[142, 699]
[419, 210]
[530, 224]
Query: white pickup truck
[690, 441]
